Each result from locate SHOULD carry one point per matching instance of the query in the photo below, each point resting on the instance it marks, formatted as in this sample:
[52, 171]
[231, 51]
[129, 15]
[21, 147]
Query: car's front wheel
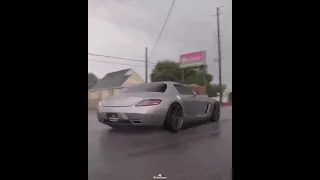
[174, 119]
[215, 113]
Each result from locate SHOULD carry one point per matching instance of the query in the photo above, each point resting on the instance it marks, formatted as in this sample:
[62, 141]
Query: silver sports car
[162, 104]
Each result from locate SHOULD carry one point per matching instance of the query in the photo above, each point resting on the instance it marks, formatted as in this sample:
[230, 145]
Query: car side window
[183, 90]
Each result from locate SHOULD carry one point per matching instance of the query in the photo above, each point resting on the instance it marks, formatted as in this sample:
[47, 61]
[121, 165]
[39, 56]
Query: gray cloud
[125, 27]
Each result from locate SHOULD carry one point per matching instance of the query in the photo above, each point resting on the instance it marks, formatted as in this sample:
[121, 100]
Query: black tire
[215, 113]
[174, 118]
[232, 173]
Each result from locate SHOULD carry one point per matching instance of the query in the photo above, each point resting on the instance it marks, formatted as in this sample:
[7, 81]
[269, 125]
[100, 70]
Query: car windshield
[148, 87]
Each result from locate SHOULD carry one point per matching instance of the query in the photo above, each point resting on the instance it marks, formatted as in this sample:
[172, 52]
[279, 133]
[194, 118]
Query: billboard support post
[182, 75]
[204, 76]
[204, 72]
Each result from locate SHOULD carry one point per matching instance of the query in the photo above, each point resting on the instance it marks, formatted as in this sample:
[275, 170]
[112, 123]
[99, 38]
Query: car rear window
[147, 87]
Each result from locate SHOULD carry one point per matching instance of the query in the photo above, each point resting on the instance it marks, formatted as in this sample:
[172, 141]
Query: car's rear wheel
[174, 119]
[215, 113]
[231, 173]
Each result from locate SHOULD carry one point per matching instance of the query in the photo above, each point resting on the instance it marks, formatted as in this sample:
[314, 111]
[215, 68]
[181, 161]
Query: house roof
[112, 80]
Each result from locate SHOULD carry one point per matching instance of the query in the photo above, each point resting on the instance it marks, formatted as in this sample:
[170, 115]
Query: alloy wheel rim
[177, 118]
[218, 113]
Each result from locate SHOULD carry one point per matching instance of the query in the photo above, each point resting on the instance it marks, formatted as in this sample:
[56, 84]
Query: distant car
[166, 104]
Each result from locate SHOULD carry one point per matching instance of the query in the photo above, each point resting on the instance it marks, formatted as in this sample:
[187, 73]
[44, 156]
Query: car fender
[173, 100]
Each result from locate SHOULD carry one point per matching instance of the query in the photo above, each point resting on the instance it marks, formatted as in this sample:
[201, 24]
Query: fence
[93, 103]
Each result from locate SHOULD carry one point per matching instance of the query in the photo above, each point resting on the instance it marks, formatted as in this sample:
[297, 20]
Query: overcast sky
[125, 27]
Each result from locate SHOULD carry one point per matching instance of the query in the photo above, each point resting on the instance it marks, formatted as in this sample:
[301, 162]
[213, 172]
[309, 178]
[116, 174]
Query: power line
[116, 57]
[164, 25]
[118, 63]
[115, 63]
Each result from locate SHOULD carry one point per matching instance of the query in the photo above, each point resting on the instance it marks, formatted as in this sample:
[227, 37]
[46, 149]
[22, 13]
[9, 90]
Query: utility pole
[146, 56]
[205, 72]
[219, 54]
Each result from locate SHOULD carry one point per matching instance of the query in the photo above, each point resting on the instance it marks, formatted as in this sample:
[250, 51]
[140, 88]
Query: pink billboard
[192, 59]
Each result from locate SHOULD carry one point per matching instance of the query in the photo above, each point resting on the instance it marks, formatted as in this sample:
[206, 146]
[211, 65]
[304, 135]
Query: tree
[214, 89]
[170, 71]
[166, 71]
[230, 97]
[92, 80]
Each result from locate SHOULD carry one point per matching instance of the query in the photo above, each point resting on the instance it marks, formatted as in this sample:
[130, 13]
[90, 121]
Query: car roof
[166, 82]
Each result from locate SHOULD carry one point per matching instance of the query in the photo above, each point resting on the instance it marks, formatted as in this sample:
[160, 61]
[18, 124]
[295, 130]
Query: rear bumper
[133, 116]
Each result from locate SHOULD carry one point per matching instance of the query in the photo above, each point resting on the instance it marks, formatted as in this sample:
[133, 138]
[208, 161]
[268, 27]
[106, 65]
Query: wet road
[201, 152]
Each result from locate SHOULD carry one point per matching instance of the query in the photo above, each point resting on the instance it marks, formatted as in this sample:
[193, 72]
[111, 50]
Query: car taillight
[149, 102]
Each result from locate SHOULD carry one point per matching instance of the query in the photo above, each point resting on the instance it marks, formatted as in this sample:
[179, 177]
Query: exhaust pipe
[137, 122]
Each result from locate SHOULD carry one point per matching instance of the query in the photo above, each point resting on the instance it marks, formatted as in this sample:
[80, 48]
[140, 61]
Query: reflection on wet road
[199, 152]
